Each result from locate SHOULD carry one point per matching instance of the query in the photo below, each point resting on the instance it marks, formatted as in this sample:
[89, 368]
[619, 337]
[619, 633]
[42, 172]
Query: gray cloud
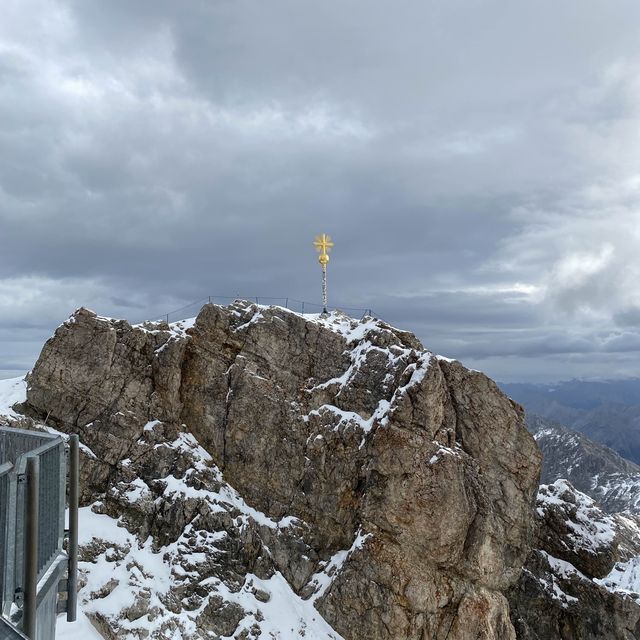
[628, 317]
[473, 161]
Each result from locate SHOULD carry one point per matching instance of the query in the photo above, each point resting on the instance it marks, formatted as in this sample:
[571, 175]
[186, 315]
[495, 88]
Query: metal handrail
[10, 537]
[5, 490]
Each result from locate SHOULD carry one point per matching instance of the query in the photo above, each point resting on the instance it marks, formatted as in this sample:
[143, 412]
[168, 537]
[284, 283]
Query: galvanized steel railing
[16, 442]
[33, 482]
[5, 480]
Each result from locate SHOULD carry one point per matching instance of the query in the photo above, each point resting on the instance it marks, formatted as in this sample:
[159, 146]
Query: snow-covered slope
[138, 579]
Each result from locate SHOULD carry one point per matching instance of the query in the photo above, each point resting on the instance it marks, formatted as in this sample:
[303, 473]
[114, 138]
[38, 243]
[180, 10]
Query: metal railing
[33, 483]
[293, 304]
[5, 480]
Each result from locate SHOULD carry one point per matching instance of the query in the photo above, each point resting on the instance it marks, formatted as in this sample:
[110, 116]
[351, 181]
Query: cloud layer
[476, 163]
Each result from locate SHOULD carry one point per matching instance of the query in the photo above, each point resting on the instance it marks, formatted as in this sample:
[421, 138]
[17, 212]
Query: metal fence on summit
[292, 304]
[323, 245]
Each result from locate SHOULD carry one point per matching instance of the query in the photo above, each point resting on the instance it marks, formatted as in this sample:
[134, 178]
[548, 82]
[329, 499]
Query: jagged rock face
[389, 488]
[581, 581]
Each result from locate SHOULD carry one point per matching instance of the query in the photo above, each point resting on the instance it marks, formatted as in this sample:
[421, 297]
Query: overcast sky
[477, 164]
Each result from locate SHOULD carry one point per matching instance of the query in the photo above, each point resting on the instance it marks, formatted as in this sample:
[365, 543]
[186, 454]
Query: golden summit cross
[323, 245]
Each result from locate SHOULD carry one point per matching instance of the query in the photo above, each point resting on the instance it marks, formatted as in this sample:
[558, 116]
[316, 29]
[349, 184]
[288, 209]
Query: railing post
[30, 613]
[74, 481]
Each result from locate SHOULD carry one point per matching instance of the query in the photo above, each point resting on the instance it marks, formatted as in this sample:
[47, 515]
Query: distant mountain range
[592, 468]
[607, 412]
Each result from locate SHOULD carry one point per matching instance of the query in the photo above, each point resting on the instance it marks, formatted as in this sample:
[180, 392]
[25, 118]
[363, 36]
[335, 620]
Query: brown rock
[332, 431]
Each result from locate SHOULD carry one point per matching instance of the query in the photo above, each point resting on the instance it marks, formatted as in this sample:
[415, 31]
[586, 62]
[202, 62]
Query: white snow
[358, 356]
[187, 443]
[323, 579]
[344, 417]
[562, 568]
[381, 415]
[96, 526]
[286, 615]
[351, 329]
[81, 629]
[180, 327]
[12, 390]
[621, 486]
[623, 578]
[225, 496]
[443, 451]
[591, 530]
[137, 491]
[125, 567]
[255, 319]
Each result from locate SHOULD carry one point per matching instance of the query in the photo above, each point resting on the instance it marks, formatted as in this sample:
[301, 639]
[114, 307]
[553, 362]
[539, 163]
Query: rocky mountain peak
[256, 471]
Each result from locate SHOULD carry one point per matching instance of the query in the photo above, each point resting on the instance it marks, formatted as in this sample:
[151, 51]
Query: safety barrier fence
[33, 489]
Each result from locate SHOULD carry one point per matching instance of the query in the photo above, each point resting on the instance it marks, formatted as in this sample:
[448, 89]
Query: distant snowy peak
[594, 469]
[583, 579]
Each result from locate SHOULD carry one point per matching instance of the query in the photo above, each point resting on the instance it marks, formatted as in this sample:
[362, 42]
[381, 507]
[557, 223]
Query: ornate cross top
[323, 244]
